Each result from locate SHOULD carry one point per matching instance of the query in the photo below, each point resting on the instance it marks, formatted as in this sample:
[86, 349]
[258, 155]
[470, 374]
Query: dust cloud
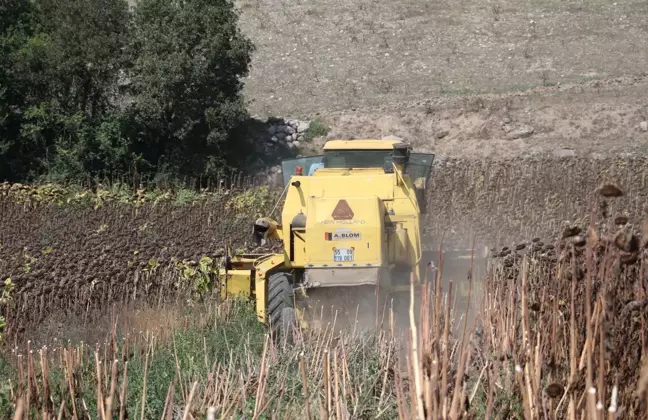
[360, 309]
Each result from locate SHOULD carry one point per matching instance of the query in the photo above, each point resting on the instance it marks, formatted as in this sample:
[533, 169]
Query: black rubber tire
[281, 308]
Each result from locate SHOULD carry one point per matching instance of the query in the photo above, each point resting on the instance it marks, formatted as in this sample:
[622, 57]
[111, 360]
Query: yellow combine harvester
[350, 226]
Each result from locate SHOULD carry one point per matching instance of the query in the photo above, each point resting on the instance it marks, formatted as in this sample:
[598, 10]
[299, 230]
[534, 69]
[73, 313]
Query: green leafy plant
[61, 70]
[152, 266]
[5, 299]
[5, 397]
[29, 261]
[316, 129]
[199, 275]
[253, 198]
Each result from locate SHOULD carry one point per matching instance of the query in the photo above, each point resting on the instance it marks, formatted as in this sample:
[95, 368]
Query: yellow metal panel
[345, 232]
[377, 184]
[238, 283]
[321, 188]
[375, 198]
[360, 144]
[355, 172]
[261, 296]
[241, 262]
[404, 210]
[299, 248]
[402, 251]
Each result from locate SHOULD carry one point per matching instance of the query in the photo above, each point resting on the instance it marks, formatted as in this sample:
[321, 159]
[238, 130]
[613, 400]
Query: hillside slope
[591, 119]
[334, 54]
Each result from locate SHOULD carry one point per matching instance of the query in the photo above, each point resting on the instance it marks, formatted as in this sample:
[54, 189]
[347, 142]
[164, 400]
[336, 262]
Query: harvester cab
[350, 225]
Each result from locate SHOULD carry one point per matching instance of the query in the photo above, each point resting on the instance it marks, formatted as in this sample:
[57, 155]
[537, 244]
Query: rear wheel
[281, 308]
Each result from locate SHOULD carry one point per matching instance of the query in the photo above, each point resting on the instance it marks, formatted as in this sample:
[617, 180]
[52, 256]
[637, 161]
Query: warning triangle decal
[342, 211]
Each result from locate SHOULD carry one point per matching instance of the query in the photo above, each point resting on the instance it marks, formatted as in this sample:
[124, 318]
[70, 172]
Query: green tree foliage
[16, 23]
[187, 58]
[61, 69]
[89, 87]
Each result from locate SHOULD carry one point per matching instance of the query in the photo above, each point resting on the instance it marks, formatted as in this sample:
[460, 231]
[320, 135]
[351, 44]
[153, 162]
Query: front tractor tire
[281, 307]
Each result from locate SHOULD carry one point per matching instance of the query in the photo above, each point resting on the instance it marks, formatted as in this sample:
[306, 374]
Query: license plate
[343, 255]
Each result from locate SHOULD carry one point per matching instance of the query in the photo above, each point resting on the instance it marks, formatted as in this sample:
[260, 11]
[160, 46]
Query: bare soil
[445, 74]
[590, 119]
[324, 54]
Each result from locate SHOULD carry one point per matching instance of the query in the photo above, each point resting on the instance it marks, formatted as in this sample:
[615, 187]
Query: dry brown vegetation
[570, 315]
[506, 201]
[73, 252]
[558, 327]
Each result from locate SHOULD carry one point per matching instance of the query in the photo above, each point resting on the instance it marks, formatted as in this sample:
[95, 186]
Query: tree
[89, 88]
[87, 40]
[15, 28]
[188, 58]
[61, 62]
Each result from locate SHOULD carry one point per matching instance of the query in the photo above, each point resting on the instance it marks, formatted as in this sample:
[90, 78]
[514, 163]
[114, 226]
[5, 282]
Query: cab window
[418, 167]
[356, 158]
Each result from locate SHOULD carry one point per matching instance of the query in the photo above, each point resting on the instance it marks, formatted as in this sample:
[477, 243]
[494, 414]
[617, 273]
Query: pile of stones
[287, 132]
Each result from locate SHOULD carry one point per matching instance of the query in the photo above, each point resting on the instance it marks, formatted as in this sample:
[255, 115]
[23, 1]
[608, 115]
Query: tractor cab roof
[360, 144]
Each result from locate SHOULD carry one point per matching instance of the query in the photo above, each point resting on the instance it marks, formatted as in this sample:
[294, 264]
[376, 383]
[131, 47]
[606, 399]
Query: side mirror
[387, 165]
[401, 154]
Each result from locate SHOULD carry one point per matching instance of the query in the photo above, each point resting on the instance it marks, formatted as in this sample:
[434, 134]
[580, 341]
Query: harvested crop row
[79, 250]
[559, 318]
[575, 315]
[502, 202]
[84, 254]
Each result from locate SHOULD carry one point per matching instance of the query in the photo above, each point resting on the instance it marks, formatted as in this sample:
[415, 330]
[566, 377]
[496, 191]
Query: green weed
[316, 129]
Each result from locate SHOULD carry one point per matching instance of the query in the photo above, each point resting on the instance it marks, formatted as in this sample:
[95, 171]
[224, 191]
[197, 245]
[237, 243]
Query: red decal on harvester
[328, 236]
